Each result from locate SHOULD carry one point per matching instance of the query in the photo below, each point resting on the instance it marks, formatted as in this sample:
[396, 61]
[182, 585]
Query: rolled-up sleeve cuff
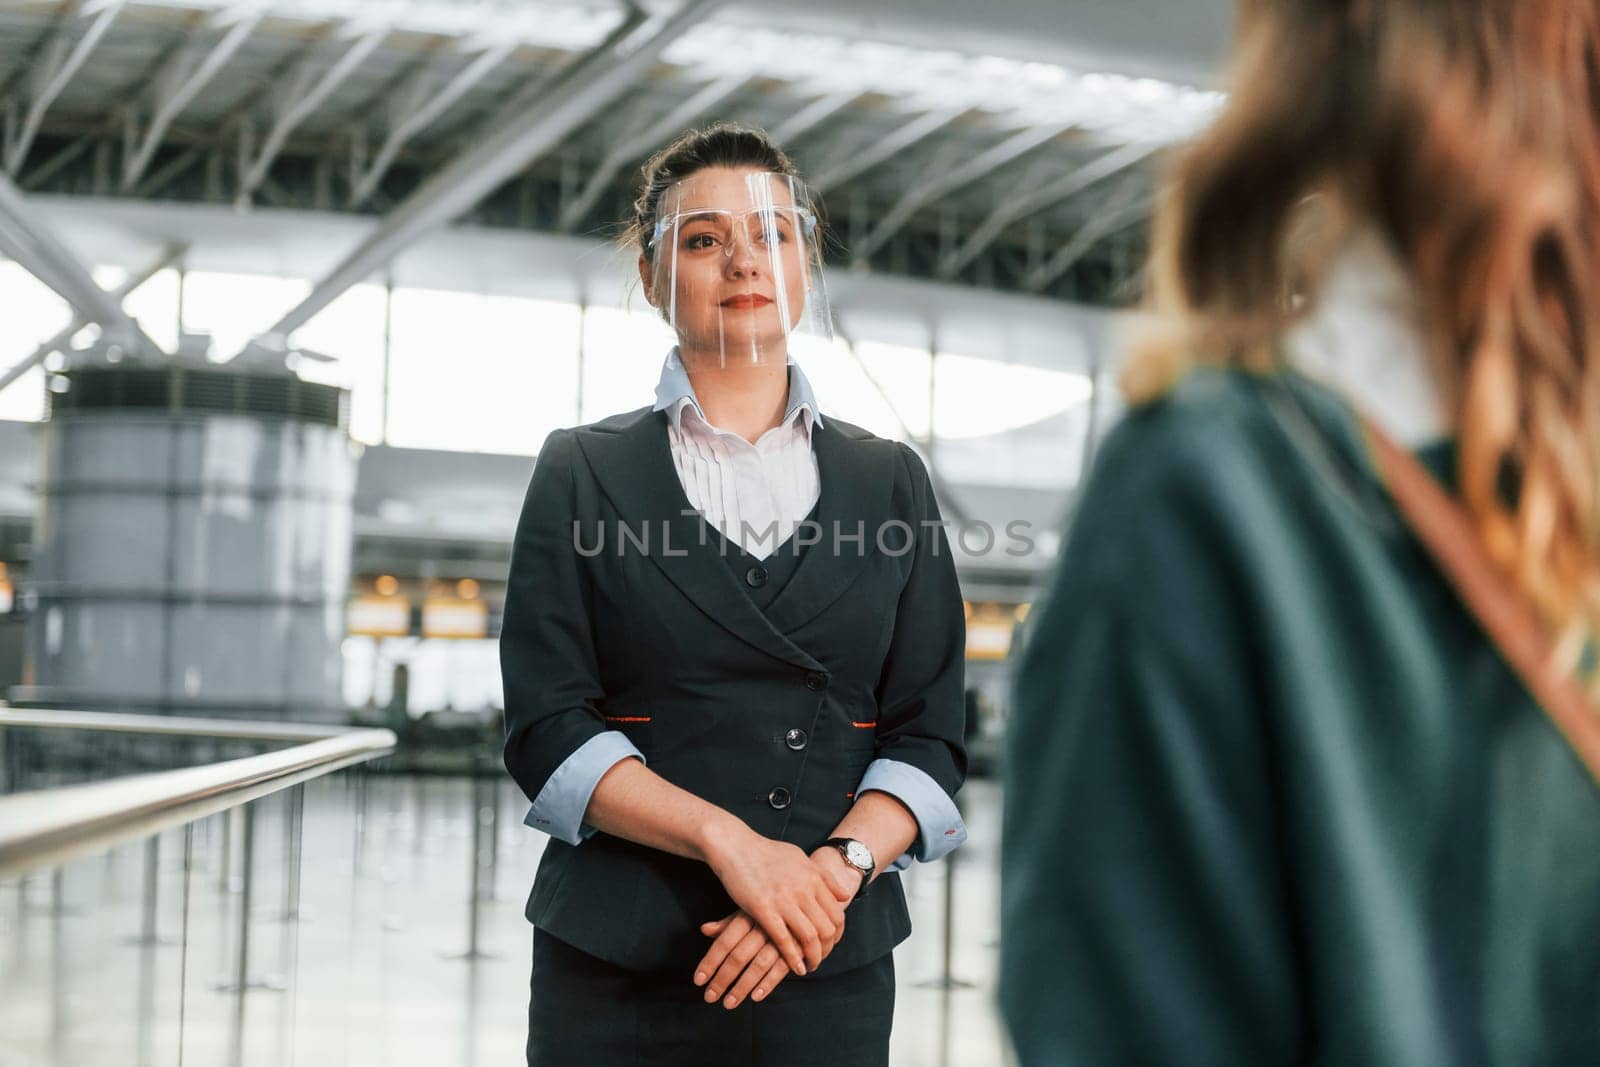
[939, 826]
[559, 807]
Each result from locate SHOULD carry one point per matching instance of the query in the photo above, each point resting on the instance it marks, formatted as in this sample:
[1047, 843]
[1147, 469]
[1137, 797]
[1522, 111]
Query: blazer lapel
[857, 477]
[632, 462]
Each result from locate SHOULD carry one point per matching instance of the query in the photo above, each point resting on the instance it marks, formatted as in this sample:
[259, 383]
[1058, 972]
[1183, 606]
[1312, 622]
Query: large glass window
[29, 314]
[473, 372]
[622, 355]
[480, 373]
[154, 305]
[975, 397]
[351, 330]
[233, 308]
[904, 376]
[878, 394]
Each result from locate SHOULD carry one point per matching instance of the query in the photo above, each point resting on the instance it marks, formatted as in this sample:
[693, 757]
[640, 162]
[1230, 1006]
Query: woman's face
[729, 267]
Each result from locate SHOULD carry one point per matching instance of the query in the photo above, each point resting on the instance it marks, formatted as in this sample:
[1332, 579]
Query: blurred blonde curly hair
[1468, 133]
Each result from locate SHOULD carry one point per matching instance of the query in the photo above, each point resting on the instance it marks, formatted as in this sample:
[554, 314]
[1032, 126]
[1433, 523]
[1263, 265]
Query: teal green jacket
[1272, 797]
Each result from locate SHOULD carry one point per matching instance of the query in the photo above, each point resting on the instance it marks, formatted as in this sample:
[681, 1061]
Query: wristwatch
[856, 855]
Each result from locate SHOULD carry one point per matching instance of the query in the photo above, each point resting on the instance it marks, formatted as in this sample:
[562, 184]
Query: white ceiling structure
[1005, 145]
[1183, 43]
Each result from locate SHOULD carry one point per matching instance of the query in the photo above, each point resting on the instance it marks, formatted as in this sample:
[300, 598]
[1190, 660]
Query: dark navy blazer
[651, 633]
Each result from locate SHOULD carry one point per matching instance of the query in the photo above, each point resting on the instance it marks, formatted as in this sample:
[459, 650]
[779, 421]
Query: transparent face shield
[735, 267]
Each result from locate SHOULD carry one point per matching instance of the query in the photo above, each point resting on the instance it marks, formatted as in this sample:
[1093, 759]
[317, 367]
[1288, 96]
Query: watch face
[859, 855]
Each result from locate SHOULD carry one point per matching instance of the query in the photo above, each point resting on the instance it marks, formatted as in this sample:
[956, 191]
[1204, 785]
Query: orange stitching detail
[627, 718]
[849, 796]
[863, 725]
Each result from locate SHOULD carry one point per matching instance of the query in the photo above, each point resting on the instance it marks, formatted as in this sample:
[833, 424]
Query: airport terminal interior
[291, 294]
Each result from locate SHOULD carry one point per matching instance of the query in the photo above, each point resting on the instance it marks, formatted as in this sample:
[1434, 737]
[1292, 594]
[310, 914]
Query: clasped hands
[791, 915]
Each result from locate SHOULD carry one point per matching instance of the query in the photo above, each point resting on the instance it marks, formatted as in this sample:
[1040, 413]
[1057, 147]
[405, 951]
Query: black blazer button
[795, 739]
[816, 681]
[779, 798]
[755, 577]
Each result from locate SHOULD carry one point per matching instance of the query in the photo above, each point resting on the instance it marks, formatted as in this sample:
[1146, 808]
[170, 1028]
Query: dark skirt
[585, 1012]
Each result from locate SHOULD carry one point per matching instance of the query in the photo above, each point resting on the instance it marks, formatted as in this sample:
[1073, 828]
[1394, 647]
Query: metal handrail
[47, 827]
[169, 725]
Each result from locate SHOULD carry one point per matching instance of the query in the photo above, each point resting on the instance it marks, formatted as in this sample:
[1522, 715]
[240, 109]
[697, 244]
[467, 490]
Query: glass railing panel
[384, 922]
[91, 958]
[178, 947]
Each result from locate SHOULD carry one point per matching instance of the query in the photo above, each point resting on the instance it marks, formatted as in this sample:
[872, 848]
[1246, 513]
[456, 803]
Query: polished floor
[369, 963]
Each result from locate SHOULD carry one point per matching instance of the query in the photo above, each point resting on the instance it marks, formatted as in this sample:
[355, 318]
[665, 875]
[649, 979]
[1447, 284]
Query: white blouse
[755, 494]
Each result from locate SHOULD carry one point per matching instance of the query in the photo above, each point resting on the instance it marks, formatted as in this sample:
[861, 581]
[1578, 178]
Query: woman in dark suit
[732, 651]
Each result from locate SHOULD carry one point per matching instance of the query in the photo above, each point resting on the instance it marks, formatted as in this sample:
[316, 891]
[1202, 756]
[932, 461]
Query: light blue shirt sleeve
[559, 807]
[939, 825]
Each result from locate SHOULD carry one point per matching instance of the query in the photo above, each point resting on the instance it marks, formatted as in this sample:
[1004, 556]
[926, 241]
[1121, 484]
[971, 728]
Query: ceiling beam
[66, 333]
[26, 239]
[182, 77]
[592, 85]
[1099, 227]
[1013, 209]
[639, 142]
[421, 103]
[898, 140]
[239, 116]
[537, 89]
[62, 58]
[157, 179]
[62, 157]
[300, 93]
[236, 122]
[813, 115]
[938, 185]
